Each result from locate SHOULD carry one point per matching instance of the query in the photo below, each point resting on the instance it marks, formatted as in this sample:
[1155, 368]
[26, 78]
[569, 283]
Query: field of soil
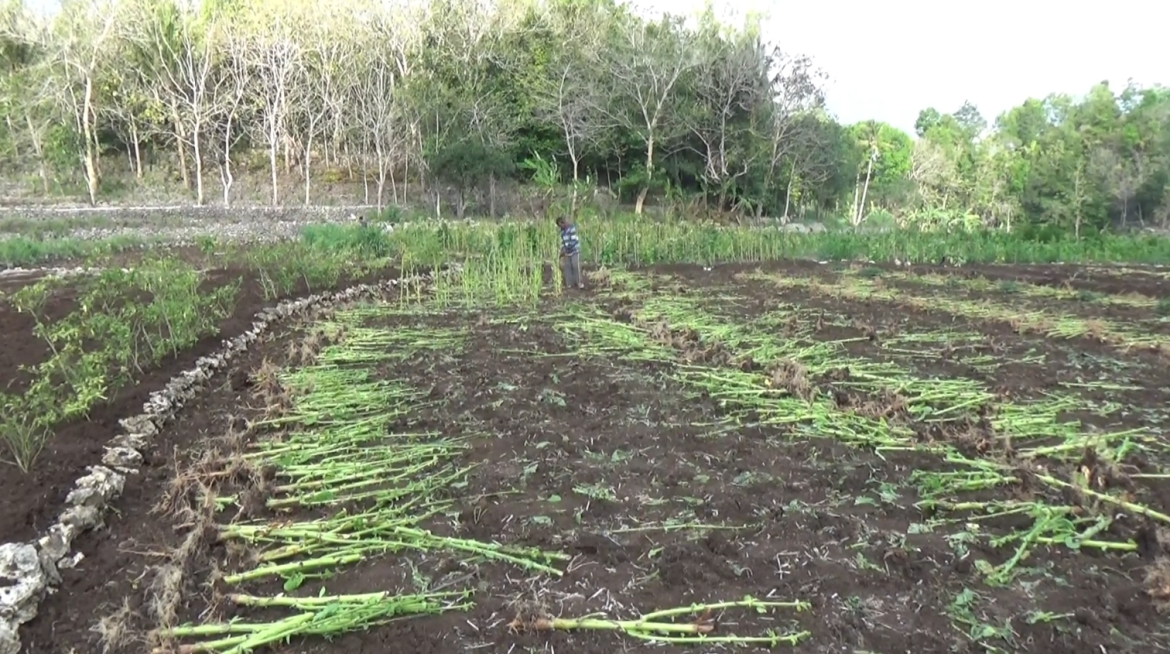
[893, 477]
[1117, 280]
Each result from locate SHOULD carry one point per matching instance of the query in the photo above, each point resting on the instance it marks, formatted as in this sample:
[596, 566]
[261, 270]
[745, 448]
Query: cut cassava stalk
[424, 601]
[684, 332]
[658, 625]
[320, 616]
[299, 566]
[347, 447]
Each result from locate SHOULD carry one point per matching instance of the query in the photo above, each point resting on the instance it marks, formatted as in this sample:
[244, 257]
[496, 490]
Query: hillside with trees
[458, 101]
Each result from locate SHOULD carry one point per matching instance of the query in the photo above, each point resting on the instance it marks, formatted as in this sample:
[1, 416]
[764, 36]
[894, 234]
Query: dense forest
[463, 96]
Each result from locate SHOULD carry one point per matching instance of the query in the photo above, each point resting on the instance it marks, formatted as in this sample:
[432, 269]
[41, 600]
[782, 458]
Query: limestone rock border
[29, 571]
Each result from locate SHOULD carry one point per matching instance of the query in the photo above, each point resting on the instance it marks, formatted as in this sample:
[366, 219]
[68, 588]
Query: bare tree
[186, 52]
[796, 88]
[306, 115]
[571, 99]
[231, 84]
[646, 63]
[272, 58]
[933, 172]
[335, 51]
[77, 52]
[571, 94]
[380, 110]
[811, 155]
[729, 84]
[1122, 176]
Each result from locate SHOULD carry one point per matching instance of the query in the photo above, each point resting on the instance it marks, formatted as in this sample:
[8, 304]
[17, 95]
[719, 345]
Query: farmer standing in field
[570, 254]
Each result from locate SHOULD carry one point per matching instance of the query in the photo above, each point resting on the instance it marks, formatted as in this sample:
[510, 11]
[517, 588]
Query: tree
[1119, 173]
[379, 107]
[791, 138]
[570, 91]
[729, 86]
[77, 55]
[646, 60]
[970, 121]
[272, 58]
[933, 172]
[928, 119]
[185, 49]
[231, 83]
[467, 165]
[710, 113]
[464, 92]
[886, 165]
[30, 98]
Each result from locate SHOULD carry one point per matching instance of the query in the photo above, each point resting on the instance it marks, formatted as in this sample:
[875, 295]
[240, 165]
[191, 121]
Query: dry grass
[114, 631]
[1158, 582]
[601, 277]
[791, 376]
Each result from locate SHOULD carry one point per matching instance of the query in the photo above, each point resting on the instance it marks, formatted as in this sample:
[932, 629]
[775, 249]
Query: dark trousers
[571, 270]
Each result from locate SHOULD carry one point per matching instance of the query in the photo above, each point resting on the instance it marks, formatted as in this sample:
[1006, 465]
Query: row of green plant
[634, 239]
[1160, 305]
[510, 261]
[24, 251]
[125, 322]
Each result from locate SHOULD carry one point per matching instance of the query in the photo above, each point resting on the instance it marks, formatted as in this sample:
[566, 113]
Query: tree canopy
[468, 95]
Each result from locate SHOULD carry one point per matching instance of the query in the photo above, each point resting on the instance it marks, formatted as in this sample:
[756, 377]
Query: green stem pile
[659, 626]
[325, 615]
[345, 447]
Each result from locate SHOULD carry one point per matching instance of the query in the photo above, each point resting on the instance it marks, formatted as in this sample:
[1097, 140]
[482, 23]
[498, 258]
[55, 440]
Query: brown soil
[33, 501]
[560, 425]
[1098, 279]
[1089, 308]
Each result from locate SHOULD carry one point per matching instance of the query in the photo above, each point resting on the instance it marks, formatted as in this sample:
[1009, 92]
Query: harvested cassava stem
[320, 616]
[657, 626]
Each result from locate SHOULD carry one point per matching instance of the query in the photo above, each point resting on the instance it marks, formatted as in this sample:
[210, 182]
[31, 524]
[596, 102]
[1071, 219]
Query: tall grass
[25, 251]
[510, 262]
[631, 239]
[638, 240]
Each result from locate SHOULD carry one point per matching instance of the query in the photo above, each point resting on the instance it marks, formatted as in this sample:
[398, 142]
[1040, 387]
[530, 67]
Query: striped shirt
[569, 241]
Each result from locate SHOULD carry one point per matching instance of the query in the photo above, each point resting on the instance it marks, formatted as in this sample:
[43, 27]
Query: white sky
[888, 60]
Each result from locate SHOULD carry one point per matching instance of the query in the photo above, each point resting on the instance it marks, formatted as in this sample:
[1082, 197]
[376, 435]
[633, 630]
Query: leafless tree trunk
[273, 60]
[647, 67]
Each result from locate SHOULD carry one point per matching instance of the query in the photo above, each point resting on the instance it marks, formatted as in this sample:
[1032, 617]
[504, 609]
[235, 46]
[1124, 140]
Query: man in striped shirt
[570, 255]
